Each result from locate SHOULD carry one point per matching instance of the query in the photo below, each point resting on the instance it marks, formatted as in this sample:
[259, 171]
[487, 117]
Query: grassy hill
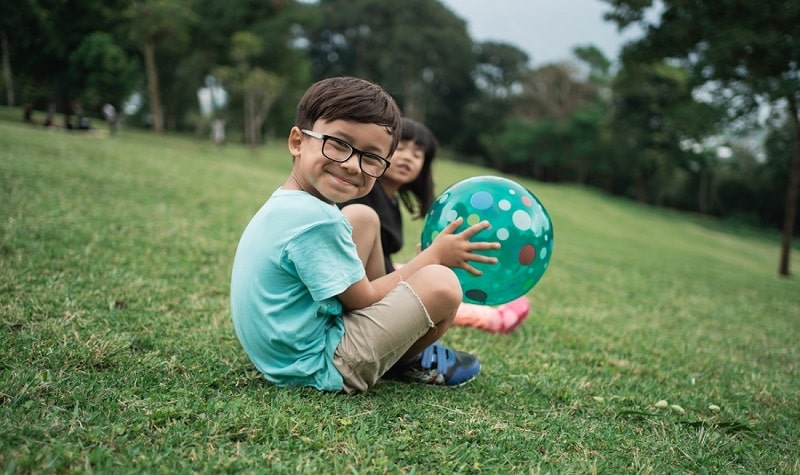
[657, 343]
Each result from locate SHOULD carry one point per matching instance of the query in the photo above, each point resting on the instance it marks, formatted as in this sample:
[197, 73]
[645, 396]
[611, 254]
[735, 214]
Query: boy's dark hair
[420, 189]
[349, 98]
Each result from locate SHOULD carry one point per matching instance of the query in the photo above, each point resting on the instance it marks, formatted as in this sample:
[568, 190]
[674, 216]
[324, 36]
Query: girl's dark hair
[352, 99]
[417, 196]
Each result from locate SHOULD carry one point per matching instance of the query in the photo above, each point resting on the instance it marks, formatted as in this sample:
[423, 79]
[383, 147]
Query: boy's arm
[448, 249]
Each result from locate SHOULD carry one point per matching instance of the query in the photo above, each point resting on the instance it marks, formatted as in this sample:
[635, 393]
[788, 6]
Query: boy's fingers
[453, 225]
[485, 246]
[475, 229]
[483, 259]
[472, 270]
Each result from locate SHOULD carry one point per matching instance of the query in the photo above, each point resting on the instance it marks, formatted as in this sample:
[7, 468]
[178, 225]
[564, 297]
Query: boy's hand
[456, 250]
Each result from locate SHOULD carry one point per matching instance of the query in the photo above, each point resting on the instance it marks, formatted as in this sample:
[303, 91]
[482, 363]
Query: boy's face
[330, 181]
[407, 162]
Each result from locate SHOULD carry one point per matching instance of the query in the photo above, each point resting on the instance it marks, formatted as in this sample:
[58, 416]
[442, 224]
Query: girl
[409, 180]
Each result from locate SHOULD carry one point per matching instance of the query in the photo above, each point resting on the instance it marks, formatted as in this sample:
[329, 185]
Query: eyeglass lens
[340, 151]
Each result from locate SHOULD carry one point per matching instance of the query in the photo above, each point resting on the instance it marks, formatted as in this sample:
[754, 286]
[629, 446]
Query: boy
[302, 306]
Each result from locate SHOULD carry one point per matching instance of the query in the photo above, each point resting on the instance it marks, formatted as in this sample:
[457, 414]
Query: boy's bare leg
[440, 292]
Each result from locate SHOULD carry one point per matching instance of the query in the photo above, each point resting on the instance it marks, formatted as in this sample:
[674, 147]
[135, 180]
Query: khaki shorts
[377, 336]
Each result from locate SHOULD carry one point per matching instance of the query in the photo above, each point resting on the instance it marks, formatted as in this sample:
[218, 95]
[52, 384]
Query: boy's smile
[329, 180]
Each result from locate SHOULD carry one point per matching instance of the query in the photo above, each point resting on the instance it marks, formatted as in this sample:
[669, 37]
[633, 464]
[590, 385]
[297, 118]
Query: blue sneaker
[437, 364]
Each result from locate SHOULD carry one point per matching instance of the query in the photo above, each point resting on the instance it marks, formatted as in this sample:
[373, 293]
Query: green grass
[117, 354]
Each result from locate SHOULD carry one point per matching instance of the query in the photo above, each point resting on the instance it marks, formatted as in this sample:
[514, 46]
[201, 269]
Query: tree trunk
[258, 100]
[641, 188]
[582, 172]
[260, 117]
[792, 190]
[246, 118]
[7, 77]
[152, 87]
[249, 127]
[703, 190]
[414, 107]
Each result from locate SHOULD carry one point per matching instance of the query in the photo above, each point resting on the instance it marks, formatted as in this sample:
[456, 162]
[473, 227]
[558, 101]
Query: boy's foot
[437, 365]
[501, 319]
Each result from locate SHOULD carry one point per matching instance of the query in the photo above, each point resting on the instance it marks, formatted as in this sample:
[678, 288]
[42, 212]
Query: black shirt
[391, 221]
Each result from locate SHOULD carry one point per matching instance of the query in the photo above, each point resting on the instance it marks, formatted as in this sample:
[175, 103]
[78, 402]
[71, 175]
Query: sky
[546, 30]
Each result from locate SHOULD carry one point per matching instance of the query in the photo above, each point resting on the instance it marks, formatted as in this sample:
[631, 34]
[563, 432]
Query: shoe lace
[437, 353]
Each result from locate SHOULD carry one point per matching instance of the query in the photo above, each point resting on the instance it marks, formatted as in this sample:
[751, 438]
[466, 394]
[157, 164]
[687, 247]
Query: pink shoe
[514, 313]
[501, 319]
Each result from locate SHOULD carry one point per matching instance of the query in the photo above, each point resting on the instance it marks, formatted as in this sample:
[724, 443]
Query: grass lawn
[657, 342]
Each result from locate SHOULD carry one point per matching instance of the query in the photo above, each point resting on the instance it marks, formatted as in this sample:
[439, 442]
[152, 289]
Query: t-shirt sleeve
[325, 259]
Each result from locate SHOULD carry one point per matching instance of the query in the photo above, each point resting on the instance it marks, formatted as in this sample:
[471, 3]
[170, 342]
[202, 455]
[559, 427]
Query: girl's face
[407, 162]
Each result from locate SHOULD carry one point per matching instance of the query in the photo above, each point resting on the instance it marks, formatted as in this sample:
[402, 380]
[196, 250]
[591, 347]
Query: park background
[661, 338]
[698, 113]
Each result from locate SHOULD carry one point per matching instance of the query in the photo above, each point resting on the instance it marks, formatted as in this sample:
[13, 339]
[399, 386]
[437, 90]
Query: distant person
[77, 111]
[110, 113]
[218, 131]
[27, 114]
[50, 118]
[301, 303]
[81, 121]
[410, 180]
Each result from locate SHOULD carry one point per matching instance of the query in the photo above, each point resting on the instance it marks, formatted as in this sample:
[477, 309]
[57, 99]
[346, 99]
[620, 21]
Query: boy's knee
[438, 287]
[449, 286]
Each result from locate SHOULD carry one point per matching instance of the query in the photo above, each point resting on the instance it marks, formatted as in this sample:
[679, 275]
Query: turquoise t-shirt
[295, 256]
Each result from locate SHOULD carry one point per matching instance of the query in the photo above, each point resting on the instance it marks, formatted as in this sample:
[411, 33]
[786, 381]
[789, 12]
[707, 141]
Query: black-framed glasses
[340, 151]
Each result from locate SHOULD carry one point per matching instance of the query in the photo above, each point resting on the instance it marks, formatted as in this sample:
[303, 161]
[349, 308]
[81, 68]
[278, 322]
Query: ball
[519, 222]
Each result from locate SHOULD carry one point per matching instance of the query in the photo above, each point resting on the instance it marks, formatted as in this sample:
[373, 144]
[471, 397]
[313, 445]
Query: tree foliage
[103, 69]
[747, 50]
[420, 52]
[42, 35]
[499, 69]
[553, 91]
[158, 24]
[258, 88]
[654, 114]
[632, 125]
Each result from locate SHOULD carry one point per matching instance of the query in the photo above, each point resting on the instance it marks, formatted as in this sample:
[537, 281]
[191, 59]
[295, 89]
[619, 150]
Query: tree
[654, 116]
[106, 73]
[553, 91]
[259, 89]
[41, 36]
[747, 50]
[155, 23]
[418, 50]
[281, 29]
[498, 72]
[9, 15]
[599, 69]
[779, 146]
[548, 99]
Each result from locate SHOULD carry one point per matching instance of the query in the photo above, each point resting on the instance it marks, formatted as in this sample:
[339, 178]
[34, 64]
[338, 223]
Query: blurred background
[688, 105]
